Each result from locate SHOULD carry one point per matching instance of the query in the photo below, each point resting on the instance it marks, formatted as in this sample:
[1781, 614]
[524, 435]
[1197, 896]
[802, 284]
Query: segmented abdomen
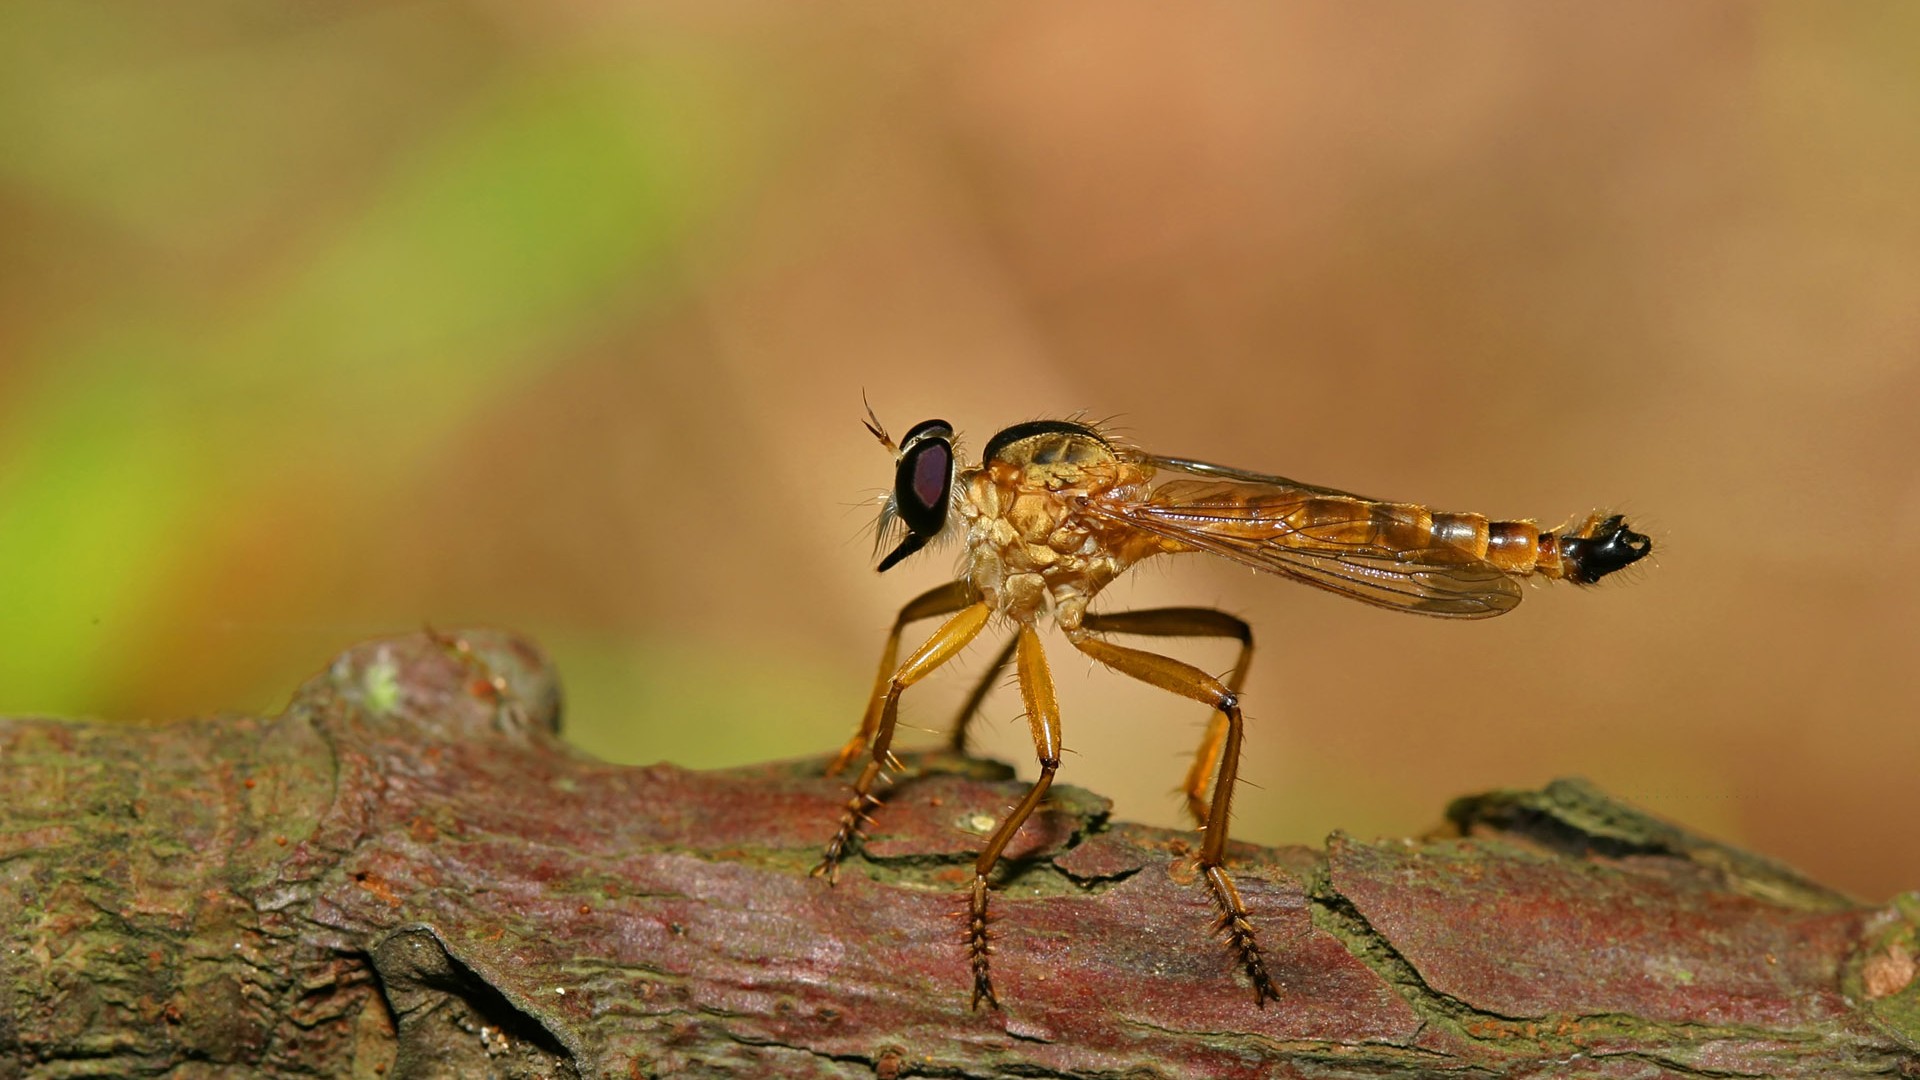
[1597, 547]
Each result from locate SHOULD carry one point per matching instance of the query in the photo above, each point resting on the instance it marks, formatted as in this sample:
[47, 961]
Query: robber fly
[1056, 510]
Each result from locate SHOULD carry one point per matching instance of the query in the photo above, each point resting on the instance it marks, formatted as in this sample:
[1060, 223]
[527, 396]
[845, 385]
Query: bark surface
[408, 874]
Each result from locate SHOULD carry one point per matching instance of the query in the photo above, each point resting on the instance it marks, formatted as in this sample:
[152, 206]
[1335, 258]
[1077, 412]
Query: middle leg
[1043, 715]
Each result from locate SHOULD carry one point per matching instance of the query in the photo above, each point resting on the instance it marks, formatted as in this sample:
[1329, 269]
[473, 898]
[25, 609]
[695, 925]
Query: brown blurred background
[324, 321]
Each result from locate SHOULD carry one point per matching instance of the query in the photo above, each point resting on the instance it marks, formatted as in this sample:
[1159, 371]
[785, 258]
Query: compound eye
[923, 485]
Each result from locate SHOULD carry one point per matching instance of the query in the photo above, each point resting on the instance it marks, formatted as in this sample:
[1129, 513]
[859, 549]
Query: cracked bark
[407, 874]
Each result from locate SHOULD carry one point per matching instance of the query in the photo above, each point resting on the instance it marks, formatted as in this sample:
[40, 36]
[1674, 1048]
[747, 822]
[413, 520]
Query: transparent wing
[1378, 552]
[1228, 472]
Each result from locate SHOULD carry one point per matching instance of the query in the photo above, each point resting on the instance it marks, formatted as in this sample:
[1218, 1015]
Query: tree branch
[407, 873]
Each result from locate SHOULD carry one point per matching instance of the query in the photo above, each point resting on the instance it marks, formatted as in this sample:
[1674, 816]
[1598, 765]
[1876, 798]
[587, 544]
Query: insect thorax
[1027, 542]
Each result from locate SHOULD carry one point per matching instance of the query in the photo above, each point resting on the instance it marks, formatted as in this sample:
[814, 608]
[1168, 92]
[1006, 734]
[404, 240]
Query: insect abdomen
[1599, 546]
[1512, 546]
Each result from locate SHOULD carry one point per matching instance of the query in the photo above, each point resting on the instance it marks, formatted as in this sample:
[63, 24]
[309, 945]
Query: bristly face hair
[923, 474]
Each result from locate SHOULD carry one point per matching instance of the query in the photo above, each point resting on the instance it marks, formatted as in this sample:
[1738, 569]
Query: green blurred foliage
[555, 193]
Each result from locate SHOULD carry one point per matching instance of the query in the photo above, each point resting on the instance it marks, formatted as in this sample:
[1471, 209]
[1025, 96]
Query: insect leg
[1190, 622]
[1043, 715]
[946, 642]
[1188, 681]
[943, 600]
[957, 741]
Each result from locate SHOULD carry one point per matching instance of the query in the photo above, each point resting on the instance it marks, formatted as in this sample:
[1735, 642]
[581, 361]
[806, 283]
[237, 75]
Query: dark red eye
[923, 482]
[922, 486]
[932, 473]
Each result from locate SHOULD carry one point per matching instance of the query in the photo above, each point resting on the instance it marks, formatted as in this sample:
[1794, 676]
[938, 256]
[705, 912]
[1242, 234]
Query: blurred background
[324, 321]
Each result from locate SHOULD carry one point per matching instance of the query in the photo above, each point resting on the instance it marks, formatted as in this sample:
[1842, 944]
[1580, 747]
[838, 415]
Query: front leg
[946, 642]
[940, 600]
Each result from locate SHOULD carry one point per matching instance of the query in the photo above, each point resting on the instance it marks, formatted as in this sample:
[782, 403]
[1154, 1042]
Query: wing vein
[1254, 522]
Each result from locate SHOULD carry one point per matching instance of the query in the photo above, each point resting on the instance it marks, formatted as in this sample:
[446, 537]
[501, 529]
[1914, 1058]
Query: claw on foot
[853, 821]
[978, 945]
[1233, 919]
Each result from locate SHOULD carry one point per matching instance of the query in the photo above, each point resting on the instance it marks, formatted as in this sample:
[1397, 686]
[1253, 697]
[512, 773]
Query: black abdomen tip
[1612, 546]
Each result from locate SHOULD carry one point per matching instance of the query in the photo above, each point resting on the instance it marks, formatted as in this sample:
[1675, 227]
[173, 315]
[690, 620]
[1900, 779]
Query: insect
[1056, 510]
